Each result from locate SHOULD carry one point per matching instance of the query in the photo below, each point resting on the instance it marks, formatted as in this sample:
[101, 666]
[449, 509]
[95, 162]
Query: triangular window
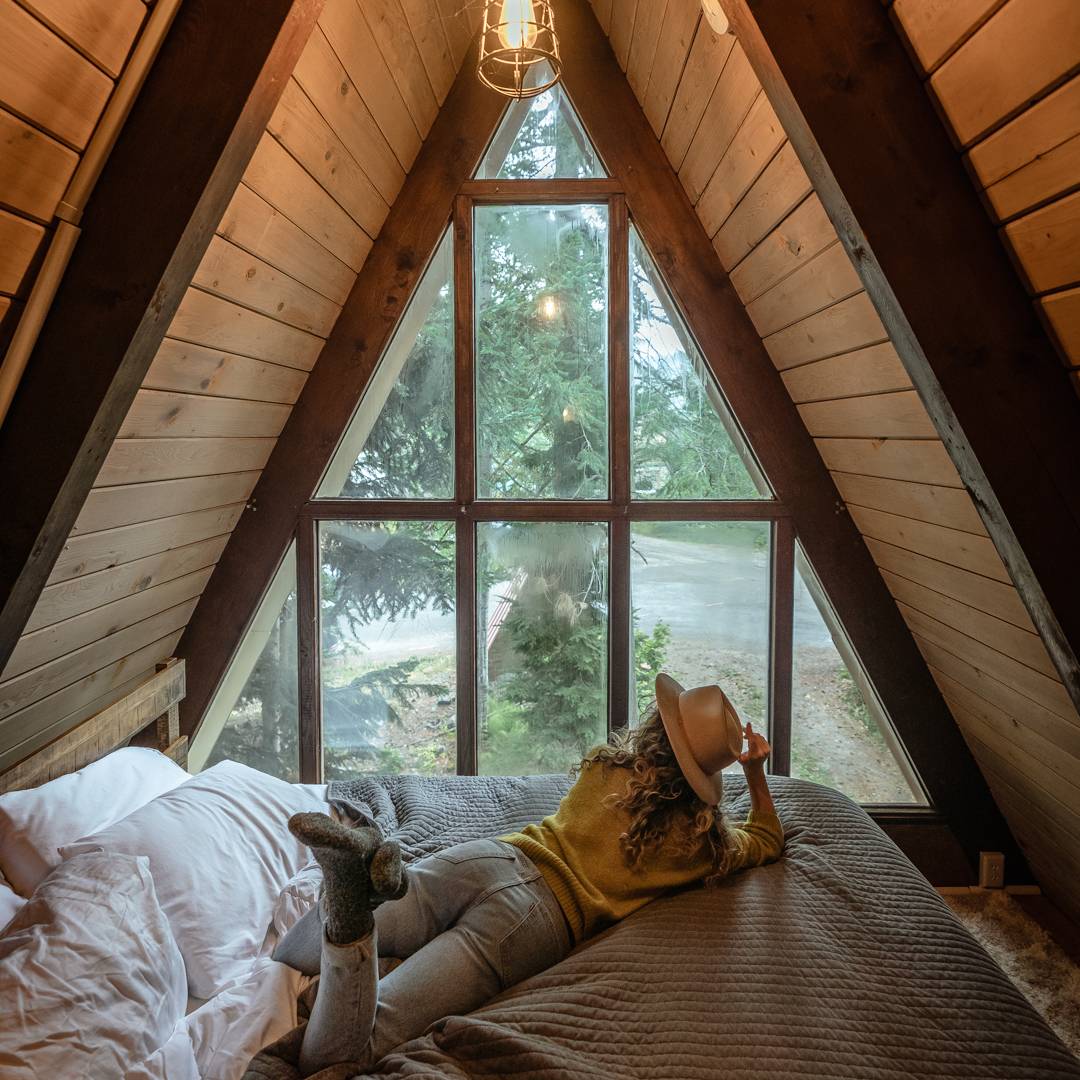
[685, 444]
[400, 442]
[254, 717]
[841, 735]
[541, 138]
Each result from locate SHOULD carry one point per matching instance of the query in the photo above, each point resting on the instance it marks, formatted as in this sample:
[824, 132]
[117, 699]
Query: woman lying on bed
[641, 819]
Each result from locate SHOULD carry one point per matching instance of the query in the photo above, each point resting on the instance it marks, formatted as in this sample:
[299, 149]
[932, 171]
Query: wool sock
[360, 871]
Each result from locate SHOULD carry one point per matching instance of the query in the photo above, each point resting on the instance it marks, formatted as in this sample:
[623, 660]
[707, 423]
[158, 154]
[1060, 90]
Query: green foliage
[650, 654]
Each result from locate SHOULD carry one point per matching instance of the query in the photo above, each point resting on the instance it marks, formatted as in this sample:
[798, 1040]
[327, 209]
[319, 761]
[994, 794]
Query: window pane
[541, 352]
[700, 596]
[262, 728]
[540, 138]
[542, 644]
[684, 442]
[839, 735]
[387, 628]
[400, 442]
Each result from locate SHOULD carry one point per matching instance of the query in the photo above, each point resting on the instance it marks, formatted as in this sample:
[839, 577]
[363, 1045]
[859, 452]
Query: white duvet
[93, 983]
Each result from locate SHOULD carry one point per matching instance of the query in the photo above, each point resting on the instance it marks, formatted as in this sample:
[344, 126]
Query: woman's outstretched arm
[761, 838]
[753, 760]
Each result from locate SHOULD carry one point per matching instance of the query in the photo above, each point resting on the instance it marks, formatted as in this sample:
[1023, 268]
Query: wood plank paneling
[110, 507]
[1046, 244]
[1023, 646]
[234, 274]
[328, 85]
[204, 319]
[704, 66]
[842, 327]
[816, 285]
[90, 552]
[102, 30]
[195, 369]
[25, 689]
[1033, 158]
[31, 727]
[648, 21]
[137, 461]
[251, 222]
[427, 31]
[44, 80]
[898, 415]
[351, 39]
[1040, 688]
[951, 507]
[297, 125]
[734, 94]
[924, 461]
[963, 549]
[43, 646]
[1062, 314]
[282, 181]
[804, 233]
[163, 414]
[1024, 710]
[34, 169]
[758, 138]
[996, 598]
[20, 241]
[934, 28]
[873, 370]
[391, 31]
[1028, 45]
[775, 193]
[672, 52]
[67, 599]
[623, 14]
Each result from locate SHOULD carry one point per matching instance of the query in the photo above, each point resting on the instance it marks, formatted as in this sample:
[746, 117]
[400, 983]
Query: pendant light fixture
[519, 49]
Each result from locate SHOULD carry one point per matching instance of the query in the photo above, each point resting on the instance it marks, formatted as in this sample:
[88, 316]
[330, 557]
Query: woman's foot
[360, 871]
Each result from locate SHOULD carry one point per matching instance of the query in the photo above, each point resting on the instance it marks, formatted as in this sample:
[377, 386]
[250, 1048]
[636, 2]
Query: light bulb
[517, 24]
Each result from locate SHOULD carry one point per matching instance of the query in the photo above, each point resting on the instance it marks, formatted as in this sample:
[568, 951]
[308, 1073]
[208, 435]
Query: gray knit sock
[360, 871]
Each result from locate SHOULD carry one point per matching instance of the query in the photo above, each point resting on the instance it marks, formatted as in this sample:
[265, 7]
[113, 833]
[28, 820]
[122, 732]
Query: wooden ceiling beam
[733, 349]
[165, 187]
[893, 185]
[412, 231]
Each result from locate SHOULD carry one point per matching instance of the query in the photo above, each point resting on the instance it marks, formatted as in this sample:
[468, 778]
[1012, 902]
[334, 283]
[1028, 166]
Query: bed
[838, 961]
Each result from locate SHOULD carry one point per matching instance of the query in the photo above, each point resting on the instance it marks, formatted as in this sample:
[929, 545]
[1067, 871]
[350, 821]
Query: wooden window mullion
[465, 488]
[309, 682]
[781, 633]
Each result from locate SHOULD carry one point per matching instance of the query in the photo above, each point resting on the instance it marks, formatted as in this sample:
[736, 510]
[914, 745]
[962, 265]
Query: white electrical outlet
[991, 870]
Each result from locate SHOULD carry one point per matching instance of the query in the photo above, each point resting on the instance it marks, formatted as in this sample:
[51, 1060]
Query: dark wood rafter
[880, 159]
[175, 166]
[410, 235]
[712, 310]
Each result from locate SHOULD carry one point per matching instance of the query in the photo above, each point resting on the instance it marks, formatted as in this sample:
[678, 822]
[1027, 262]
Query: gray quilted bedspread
[837, 961]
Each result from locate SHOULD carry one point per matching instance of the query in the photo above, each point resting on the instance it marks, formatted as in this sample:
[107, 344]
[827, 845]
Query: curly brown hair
[663, 807]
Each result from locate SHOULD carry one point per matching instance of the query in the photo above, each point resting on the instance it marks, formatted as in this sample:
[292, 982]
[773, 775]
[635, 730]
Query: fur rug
[1028, 955]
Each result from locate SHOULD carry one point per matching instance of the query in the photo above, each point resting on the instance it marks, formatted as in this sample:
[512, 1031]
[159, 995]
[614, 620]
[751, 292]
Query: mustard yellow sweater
[577, 851]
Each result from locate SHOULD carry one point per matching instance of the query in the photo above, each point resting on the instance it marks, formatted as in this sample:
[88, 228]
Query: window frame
[619, 510]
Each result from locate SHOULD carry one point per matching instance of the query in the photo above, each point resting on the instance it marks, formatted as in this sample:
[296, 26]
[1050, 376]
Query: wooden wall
[821, 330]
[1004, 77]
[313, 198]
[58, 64]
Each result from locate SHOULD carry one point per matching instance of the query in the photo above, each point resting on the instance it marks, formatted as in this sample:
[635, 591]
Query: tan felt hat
[704, 731]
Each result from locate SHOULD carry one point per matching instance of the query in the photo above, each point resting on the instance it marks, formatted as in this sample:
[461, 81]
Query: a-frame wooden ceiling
[320, 183]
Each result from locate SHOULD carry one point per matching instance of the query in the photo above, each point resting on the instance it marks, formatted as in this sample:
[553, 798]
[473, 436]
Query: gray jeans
[477, 918]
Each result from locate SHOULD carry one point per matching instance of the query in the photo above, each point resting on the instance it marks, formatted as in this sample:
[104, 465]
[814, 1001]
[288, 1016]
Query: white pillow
[10, 902]
[93, 980]
[298, 897]
[35, 823]
[220, 851]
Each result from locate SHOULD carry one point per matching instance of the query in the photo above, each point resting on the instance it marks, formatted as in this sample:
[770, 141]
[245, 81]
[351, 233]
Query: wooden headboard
[150, 715]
